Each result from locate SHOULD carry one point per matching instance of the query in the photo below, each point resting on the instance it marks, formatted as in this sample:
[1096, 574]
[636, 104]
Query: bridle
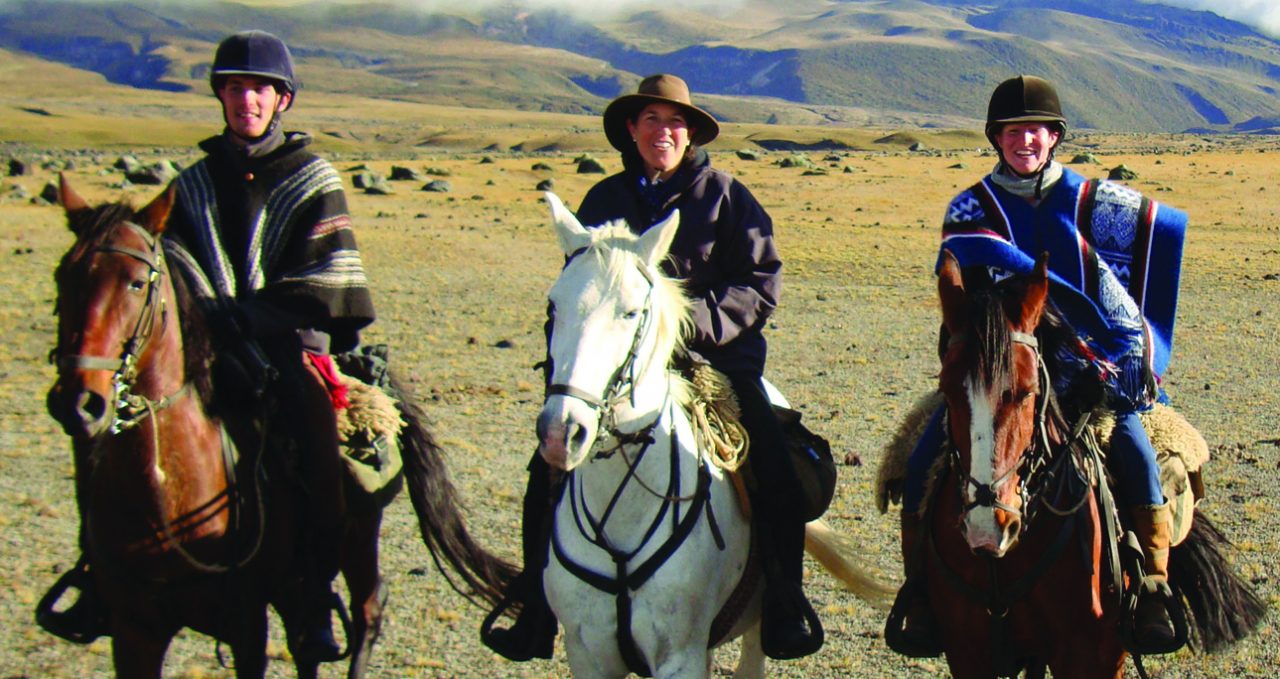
[130, 409]
[1032, 459]
[621, 382]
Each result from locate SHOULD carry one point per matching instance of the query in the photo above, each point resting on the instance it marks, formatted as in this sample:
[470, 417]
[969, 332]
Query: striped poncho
[274, 230]
[1115, 259]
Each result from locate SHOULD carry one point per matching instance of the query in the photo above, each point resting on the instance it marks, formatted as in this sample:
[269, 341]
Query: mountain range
[1120, 65]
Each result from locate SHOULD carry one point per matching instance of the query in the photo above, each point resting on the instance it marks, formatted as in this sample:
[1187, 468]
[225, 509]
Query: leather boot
[920, 636]
[84, 620]
[789, 627]
[1152, 626]
[534, 633]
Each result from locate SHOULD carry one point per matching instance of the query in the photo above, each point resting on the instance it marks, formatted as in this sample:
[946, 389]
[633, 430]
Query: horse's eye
[631, 315]
[137, 285]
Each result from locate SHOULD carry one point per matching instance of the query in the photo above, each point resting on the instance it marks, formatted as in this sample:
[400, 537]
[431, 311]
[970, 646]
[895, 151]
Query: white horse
[649, 541]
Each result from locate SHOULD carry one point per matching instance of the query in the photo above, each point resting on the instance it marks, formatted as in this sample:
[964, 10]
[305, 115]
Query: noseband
[130, 409]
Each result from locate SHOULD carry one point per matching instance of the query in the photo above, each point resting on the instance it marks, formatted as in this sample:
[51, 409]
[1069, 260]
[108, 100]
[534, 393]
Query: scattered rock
[814, 172]
[748, 154]
[504, 344]
[437, 186]
[399, 173]
[154, 174]
[546, 185]
[852, 459]
[958, 166]
[379, 188]
[589, 165]
[50, 193]
[796, 160]
[1085, 158]
[486, 160]
[18, 167]
[127, 163]
[438, 172]
[542, 167]
[363, 179]
[359, 168]
[848, 170]
[1121, 173]
[917, 147]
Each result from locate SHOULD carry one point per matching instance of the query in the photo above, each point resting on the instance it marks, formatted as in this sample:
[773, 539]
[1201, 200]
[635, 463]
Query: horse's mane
[614, 246]
[991, 353]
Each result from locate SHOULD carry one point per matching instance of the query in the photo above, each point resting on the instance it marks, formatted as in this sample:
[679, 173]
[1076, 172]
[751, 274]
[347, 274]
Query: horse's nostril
[578, 435]
[91, 407]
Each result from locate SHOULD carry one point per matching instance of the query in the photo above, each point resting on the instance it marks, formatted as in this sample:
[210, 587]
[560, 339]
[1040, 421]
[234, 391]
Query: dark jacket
[723, 250]
[272, 238]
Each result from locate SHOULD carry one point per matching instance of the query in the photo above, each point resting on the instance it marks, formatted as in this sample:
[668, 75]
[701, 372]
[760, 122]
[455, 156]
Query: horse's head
[996, 389]
[110, 304]
[616, 319]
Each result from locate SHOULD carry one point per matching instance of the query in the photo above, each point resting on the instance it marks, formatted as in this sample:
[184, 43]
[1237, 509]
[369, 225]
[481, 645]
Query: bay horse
[180, 530]
[649, 541]
[1019, 569]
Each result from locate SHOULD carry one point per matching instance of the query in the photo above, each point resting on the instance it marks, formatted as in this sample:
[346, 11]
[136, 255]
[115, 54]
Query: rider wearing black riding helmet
[1114, 258]
[261, 232]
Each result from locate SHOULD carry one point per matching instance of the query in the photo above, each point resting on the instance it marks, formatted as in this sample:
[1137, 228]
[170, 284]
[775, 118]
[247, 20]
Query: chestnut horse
[1019, 569]
[177, 532]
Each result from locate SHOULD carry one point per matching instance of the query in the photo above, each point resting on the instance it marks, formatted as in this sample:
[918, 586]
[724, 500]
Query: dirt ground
[460, 281]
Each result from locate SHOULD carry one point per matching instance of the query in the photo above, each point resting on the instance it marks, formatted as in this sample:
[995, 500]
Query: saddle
[716, 421]
[1181, 452]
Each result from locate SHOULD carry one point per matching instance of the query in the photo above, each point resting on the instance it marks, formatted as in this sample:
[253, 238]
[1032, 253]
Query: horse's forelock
[614, 246]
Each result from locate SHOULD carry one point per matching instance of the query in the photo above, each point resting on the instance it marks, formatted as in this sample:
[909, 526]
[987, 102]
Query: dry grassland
[455, 275]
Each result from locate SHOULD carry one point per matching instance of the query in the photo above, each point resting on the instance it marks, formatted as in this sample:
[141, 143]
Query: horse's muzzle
[83, 413]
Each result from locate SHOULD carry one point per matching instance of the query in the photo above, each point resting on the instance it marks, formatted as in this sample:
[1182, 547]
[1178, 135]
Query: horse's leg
[751, 658]
[367, 590]
[249, 643]
[689, 663]
[138, 654]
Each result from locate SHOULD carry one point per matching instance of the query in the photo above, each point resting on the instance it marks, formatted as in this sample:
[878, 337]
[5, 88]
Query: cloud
[1262, 15]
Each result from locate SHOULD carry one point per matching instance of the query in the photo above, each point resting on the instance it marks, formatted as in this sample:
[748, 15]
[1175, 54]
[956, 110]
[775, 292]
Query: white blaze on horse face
[981, 530]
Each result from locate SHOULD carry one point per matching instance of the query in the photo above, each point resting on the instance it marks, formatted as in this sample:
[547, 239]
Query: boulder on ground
[18, 167]
[748, 154]
[542, 167]
[50, 193]
[589, 165]
[546, 185]
[400, 173]
[437, 186]
[127, 163]
[1121, 173]
[1085, 159]
[154, 174]
[363, 179]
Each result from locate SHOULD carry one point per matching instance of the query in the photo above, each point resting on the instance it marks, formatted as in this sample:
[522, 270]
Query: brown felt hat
[661, 88]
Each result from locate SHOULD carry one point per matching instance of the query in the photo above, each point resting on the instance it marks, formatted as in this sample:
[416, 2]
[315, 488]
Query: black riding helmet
[255, 53]
[1024, 99]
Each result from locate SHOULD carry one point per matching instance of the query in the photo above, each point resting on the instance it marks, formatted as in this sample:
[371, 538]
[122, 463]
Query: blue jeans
[1132, 460]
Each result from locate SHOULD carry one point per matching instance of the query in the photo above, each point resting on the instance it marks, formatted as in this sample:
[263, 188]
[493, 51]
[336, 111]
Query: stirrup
[525, 639]
[800, 645]
[1177, 618]
[335, 605]
[895, 628]
[80, 623]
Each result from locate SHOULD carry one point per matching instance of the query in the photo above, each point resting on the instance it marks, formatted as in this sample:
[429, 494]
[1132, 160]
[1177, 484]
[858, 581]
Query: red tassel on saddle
[323, 363]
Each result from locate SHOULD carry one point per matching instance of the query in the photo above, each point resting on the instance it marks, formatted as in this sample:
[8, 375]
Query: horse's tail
[835, 553]
[436, 502]
[1225, 608]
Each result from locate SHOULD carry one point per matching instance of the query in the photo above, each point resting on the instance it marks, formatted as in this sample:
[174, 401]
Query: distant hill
[1121, 65]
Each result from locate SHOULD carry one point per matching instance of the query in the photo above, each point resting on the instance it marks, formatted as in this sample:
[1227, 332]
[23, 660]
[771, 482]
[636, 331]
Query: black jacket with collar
[723, 250]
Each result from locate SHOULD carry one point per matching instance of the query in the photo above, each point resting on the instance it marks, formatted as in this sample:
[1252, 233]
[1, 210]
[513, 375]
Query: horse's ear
[955, 305]
[1037, 293]
[156, 214]
[71, 201]
[570, 233]
[656, 241]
